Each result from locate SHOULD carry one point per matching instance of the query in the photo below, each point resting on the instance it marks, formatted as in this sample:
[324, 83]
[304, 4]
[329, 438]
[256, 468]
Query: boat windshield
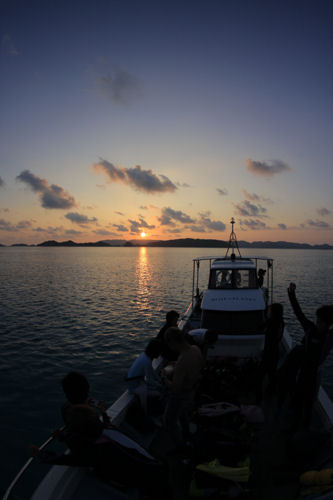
[232, 278]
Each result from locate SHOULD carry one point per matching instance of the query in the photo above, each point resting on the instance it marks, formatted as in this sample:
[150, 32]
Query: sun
[143, 234]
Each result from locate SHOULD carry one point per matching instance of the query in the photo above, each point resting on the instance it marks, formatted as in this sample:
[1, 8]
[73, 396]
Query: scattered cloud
[282, 226]
[51, 196]
[197, 229]
[266, 169]
[252, 224]
[9, 226]
[323, 211]
[119, 213]
[49, 229]
[2, 182]
[136, 177]
[222, 192]
[80, 218]
[8, 45]
[256, 197]
[137, 226]
[120, 87]
[104, 232]
[4, 210]
[120, 227]
[182, 184]
[169, 216]
[214, 225]
[320, 224]
[248, 209]
[101, 186]
[73, 232]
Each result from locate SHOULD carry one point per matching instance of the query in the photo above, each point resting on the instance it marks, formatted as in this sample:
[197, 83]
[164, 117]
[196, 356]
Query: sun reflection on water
[143, 280]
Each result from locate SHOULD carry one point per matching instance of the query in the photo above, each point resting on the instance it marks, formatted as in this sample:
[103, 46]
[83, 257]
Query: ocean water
[93, 310]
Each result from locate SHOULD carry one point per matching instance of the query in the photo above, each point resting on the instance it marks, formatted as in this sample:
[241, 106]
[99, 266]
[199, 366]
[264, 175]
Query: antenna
[233, 243]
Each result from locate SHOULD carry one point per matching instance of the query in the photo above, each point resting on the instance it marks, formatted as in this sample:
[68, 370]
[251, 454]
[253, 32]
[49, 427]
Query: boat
[233, 304]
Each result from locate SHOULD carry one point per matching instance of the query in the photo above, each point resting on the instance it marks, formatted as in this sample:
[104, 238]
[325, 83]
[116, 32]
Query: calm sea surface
[92, 310]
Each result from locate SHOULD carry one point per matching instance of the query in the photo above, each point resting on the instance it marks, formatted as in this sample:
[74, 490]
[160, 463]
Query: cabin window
[232, 278]
[233, 322]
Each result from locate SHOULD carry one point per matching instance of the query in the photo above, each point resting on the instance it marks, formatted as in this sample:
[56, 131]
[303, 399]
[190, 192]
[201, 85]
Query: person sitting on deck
[171, 320]
[273, 330]
[142, 380]
[186, 376]
[318, 341]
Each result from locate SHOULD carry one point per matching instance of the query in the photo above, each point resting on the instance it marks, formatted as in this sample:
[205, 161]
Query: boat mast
[233, 243]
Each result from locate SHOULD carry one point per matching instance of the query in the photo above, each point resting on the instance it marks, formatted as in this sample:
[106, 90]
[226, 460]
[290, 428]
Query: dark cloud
[222, 192]
[266, 169]
[49, 229]
[80, 218]
[73, 232]
[104, 232]
[2, 182]
[169, 216]
[320, 224]
[120, 87]
[214, 225]
[182, 184]
[51, 196]
[282, 226]
[8, 226]
[119, 213]
[252, 224]
[197, 229]
[323, 211]
[248, 209]
[136, 177]
[256, 197]
[120, 227]
[137, 226]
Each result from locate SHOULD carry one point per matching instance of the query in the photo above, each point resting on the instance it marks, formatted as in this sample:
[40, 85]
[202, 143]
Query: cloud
[51, 196]
[266, 169]
[120, 87]
[104, 232]
[197, 229]
[214, 225]
[136, 177]
[2, 182]
[320, 224]
[73, 232]
[8, 45]
[120, 227]
[256, 197]
[252, 224]
[222, 192]
[80, 218]
[8, 226]
[248, 209]
[119, 213]
[137, 226]
[169, 216]
[323, 211]
[49, 229]
[282, 226]
[182, 184]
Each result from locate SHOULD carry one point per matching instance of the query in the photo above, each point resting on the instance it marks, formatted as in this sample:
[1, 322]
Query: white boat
[234, 304]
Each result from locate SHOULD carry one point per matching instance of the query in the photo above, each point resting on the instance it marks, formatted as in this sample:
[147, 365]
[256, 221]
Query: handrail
[24, 468]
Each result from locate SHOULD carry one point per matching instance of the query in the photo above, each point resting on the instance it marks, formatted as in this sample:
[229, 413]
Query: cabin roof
[233, 264]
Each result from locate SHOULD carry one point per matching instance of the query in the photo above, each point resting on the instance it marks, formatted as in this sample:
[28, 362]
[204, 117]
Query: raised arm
[296, 307]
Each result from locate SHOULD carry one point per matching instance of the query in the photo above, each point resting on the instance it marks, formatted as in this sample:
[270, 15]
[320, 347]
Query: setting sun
[143, 234]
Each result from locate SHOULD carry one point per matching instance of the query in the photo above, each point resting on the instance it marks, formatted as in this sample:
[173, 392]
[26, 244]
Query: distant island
[179, 243]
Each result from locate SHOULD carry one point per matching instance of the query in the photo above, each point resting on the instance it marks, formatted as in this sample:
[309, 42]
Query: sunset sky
[168, 117]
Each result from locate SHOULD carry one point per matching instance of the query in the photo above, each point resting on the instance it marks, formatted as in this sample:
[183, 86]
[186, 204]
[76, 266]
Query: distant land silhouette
[177, 243]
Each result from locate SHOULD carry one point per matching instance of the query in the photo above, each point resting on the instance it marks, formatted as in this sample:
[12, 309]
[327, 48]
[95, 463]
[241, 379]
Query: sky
[166, 118]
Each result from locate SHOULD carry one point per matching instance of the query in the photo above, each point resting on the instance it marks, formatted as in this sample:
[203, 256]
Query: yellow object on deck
[236, 474]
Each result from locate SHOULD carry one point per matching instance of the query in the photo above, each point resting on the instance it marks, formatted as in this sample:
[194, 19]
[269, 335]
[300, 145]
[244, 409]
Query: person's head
[153, 349]
[324, 318]
[76, 387]
[175, 339]
[172, 318]
[261, 272]
[275, 312]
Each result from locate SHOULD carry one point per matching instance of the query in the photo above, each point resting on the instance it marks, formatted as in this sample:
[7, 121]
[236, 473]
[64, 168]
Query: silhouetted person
[317, 344]
[172, 318]
[273, 330]
[261, 276]
[182, 387]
